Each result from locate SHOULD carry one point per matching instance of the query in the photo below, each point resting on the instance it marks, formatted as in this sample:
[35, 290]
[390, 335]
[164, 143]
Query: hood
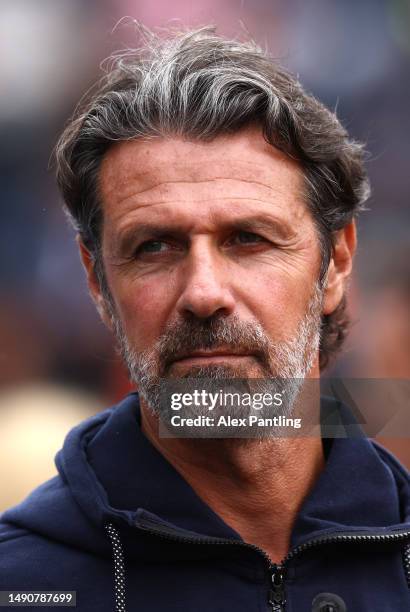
[109, 473]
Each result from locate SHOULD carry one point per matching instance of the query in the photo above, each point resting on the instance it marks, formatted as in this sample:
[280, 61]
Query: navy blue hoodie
[121, 527]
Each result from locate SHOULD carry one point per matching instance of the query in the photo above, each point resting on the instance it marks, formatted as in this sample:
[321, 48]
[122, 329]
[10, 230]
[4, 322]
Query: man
[215, 206]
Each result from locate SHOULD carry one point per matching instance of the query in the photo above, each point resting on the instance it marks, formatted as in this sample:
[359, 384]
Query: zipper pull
[277, 592]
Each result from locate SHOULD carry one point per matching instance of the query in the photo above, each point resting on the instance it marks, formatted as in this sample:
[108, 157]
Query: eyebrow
[281, 229]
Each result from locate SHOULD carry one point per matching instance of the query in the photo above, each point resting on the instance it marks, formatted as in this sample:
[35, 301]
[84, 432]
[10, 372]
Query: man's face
[209, 247]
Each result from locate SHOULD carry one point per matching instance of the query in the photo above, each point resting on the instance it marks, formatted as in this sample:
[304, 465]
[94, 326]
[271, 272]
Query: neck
[256, 486]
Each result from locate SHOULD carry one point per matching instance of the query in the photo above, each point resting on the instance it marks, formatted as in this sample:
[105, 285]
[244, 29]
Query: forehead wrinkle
[231, 199]
[161, 187]
[189, 164]
[129, 174]
[198, 182]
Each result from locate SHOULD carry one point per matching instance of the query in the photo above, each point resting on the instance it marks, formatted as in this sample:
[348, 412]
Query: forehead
[170, 175]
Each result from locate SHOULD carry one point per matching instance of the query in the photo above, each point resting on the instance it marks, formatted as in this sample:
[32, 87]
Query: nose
[206, 283]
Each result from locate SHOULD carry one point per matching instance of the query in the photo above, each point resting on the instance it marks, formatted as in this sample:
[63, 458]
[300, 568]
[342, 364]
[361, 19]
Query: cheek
[144, 309]
[277, 302]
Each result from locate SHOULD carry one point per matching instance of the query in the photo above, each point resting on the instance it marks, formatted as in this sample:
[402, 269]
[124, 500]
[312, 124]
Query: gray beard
[282, 365]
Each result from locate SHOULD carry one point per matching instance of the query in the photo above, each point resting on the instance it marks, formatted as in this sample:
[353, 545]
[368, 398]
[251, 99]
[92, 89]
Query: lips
[217, 353]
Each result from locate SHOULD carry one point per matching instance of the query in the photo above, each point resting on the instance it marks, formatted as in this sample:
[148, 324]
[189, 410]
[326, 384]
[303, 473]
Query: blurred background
[57, 363]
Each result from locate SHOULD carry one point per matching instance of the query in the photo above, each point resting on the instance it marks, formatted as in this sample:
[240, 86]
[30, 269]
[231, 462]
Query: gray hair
[199, 85]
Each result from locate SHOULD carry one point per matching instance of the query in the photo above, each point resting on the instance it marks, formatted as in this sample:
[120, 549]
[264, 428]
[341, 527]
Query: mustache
[211, 334]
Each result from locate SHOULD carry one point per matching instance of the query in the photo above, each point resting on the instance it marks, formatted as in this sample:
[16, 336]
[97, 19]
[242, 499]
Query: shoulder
[391, 460]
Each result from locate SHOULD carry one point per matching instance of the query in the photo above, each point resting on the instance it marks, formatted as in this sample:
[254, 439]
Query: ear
[340, 267]
[93, 283]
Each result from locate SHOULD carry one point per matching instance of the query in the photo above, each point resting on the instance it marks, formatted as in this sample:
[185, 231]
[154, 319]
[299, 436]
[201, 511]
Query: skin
[206, 264]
